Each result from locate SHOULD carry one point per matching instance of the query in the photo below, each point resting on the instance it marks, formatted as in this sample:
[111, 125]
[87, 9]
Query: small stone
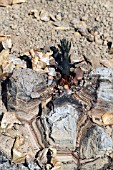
[90, 37]
[50, 77]
[74, 22]
[105, 43]
[13, 26]
[49, 82]
[77, 34]
[52, 72]
[79, 74]
[59, 16]
[66, 87]
[106, 35]
[98, 40]
[35, 95]
[98, 143]
[15, 16]
[57, 24]
[44, 16]
[35, 13]
[52, 17]
[107, 118]
[111, 15]
[97, 18]
[84, 18]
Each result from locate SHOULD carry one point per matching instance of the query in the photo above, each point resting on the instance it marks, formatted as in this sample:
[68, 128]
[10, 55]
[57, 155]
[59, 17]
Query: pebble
[111, 15]
[107, 118]
[35, 13]
[106, 35]
[97, 18]
[44, 16]
[52, 17]
[35, 95]
[105, 43]
[57, 24]
[52, 72]
[66, 87]
[13, 26]
[85, 18]
[90, 37]
[59, 16]
[74, 22]
[50, 77]
[98, 40]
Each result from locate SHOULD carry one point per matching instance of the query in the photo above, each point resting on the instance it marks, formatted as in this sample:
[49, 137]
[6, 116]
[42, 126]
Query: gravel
[28, 32]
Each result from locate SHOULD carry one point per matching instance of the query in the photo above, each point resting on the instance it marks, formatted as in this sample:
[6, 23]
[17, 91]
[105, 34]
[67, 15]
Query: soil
[28, 33]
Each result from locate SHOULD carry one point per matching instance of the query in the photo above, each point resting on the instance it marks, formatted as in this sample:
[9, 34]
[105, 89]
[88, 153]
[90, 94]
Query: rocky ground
[78, 123]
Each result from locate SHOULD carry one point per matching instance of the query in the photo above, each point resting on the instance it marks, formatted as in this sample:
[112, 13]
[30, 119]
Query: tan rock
[107, 118]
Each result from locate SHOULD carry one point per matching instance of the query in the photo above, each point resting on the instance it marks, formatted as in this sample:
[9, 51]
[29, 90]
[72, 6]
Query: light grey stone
[96, 143]
[64, 124]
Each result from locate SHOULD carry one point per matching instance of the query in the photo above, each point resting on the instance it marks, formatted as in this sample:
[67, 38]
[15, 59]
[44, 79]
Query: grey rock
[98, 164]
[64, 123]
[105, 91]
[59, 16]
[57, 24]
[70, 166]
[21, 85]
[96, 143]
[5, 164]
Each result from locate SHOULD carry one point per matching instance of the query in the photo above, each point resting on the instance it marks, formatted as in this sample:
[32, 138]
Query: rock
[93, 59]
[84, 18]
[98, 40]
[64, 123]
[99, 141]
[35, 13]
[107, 63]
[90, 37]
[5, 2]
[21, 86]
[10, 2]
[97, 164]
[74, 22]
[57, 24]
[69, 166]
[52, 72]
[96, 143]
[52, 17]
[105, 91]
[59, 16]
[5, 164]
[44, 16]
[107, 118]
[105, 43]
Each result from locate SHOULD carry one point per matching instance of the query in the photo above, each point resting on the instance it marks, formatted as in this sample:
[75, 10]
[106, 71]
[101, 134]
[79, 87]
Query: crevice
[50, 130]
[4, 92]
[27, 60]
[40, 110]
